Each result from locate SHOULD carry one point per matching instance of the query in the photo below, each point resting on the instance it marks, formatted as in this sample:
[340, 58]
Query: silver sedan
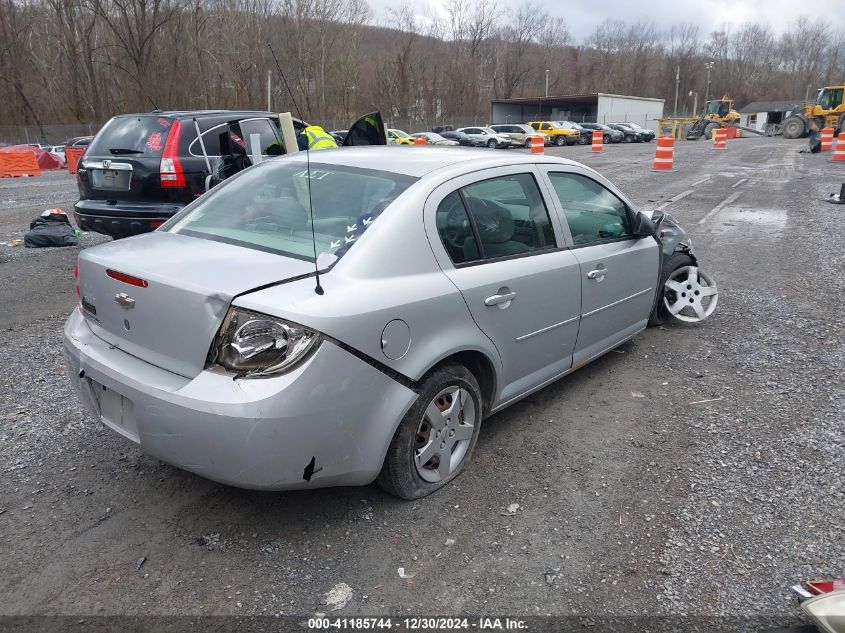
[356, 317]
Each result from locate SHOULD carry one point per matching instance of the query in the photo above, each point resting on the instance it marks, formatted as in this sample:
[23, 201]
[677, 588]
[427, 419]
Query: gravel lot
[694, 471]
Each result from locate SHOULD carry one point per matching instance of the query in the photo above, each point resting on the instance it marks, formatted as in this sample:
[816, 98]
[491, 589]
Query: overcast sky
[583, 15]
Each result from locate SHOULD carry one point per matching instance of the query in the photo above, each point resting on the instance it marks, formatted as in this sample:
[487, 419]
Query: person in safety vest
[315, 137]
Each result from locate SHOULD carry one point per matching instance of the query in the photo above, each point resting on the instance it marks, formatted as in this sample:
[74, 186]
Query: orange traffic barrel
[720, 138]
[598, 141]
[72, 156]
[839, 152]
[537, 144]
[420, 141]
[664, 154]
[827, 139]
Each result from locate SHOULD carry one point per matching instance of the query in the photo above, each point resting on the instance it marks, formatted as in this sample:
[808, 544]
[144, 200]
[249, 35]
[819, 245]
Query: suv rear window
[132, 136]
[267, 208]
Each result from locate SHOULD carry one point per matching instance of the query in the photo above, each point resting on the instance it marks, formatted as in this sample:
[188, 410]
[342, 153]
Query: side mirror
[643, 226]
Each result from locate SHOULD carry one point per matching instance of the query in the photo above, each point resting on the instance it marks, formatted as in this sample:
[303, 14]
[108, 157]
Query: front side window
[592, 212]
[494, 218]
[268, 208]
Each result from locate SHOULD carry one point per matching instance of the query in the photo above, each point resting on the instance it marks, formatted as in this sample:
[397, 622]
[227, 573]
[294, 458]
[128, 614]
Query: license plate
[111, 179]
[114, 410]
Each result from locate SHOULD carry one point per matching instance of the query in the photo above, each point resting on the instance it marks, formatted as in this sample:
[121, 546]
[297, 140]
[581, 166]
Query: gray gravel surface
[628, 505]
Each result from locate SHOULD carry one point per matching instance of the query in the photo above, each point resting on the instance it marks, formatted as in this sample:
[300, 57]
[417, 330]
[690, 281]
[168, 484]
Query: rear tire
[659, 314]
[583, 140]
[793, 127]
[417, 435]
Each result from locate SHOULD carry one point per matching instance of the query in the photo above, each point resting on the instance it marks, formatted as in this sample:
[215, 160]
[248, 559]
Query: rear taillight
[154, 224]
[76, 278]
[127, 279]
[170, 169]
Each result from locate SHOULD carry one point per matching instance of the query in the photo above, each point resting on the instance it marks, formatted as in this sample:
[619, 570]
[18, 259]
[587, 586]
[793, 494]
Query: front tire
[560, 141]
[434, 441]
[491, 144]
[793, 127]
[607, 139]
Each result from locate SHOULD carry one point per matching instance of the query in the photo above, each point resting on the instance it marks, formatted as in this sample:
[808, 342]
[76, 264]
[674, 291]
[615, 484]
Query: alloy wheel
[690, 294]
[444, 434]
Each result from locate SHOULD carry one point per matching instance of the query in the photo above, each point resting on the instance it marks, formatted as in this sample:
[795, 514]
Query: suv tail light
[170, 169]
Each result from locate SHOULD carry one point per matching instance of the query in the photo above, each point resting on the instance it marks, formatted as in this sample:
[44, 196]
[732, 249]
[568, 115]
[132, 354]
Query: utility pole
[547, 82]
[709, 67]
[269, 87]
[694, 102]
[677, 85]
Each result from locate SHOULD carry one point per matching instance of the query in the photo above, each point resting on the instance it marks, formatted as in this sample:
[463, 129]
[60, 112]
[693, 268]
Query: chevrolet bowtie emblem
[124, 301]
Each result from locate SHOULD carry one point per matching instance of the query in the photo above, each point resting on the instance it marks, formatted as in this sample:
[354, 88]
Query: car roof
[200, 113]
[421, 162]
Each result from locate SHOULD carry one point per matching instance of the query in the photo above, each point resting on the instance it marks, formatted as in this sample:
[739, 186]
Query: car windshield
[431, 136]
[266, 208]
[401, 133]
[489, 130]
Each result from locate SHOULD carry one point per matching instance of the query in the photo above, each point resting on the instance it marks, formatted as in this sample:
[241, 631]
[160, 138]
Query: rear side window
[495, 218]
[132, 136]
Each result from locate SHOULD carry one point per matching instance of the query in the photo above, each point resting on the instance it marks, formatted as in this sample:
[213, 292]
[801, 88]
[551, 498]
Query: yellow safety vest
[318, 138]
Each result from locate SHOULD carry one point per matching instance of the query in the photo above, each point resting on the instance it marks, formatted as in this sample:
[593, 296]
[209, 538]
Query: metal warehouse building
[596, 107]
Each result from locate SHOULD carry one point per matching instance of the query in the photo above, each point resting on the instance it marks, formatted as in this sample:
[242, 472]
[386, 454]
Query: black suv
[141, 169]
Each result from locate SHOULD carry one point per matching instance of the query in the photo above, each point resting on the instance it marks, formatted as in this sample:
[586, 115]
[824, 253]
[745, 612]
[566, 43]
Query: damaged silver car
[355, 317]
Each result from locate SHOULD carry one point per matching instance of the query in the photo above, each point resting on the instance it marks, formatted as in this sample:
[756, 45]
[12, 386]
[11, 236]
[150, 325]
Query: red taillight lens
[127, 279]
[170, 169]
[76, 278]
[154, 224]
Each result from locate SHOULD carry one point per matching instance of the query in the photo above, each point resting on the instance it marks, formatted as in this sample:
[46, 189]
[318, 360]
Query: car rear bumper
[327, 422]
[123, 219]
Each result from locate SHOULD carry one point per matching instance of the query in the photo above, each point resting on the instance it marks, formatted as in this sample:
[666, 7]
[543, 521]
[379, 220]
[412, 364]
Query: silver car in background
[452, 283]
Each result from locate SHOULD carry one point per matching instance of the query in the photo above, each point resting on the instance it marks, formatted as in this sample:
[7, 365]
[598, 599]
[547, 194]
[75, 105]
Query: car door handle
[598, 272]
[497, 299]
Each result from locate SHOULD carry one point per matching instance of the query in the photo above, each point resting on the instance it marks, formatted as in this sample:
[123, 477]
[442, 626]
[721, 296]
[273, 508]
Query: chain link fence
[45, 134]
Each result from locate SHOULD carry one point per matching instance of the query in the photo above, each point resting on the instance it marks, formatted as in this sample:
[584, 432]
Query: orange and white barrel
[827, 139]
[664, 154]
[419, 140]
[537, 144]
[839, 151]
[720, 138]
[598, 141]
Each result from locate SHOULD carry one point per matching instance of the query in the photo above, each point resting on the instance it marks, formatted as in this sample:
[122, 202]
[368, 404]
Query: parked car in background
[462, 139]
[585, 136]
[398, 137]
[58, 150]
[519, 134]
[206, 345]
[143, 168]
[558, 135]
[489, 137]
[648, 135]
[433, 138]
[630, 135]
[79, 141]
[610, 135]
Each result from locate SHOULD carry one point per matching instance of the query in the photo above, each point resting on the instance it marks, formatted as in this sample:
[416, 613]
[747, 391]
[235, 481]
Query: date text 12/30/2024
[416, 624]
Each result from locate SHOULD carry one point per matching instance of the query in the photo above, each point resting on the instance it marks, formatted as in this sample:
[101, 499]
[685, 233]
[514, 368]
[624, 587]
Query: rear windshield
[132, 136]
[267, 208]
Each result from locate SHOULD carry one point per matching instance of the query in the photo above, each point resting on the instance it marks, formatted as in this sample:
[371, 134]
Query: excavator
[827, 111]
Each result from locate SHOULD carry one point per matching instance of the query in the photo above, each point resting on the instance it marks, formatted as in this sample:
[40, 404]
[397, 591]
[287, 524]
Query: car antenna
[318, 289]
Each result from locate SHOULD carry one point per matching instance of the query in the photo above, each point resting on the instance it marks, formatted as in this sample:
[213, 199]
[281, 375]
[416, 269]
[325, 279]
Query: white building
[596, 107]
[764, 115]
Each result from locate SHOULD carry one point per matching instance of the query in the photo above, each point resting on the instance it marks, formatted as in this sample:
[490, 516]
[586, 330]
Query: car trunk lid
[162, 296]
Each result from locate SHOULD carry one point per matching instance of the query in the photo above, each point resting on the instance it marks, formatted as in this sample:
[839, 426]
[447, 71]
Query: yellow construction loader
[827, 111]
[717, 113]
